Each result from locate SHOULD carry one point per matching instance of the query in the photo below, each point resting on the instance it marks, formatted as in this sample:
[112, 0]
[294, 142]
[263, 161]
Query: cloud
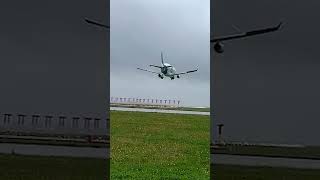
[140, 30]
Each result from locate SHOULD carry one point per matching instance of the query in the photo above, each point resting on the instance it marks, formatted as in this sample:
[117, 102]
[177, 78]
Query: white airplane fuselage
[168, 70]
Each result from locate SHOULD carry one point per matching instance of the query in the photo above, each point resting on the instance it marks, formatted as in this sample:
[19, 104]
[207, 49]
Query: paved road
[46, 150]
[264, 161]
[159, 111]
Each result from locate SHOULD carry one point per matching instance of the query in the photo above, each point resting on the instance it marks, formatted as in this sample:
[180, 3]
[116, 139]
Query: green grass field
[17, 167]
[193, 109]
[159, 146]
[229, 172]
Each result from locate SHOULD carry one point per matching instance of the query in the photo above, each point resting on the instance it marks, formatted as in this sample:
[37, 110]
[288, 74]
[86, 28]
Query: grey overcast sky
[267, 87]
[141, 29]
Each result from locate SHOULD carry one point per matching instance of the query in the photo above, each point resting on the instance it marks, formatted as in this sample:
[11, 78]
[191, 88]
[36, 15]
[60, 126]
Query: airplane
[167, 70]
[219, 47]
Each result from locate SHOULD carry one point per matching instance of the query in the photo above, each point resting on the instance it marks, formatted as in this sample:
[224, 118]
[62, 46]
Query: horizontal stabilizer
[155, 66]
[148, 71]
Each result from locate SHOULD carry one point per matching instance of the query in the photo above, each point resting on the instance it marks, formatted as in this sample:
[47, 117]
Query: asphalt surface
[264, 161]
[159, 111]
[47, 150]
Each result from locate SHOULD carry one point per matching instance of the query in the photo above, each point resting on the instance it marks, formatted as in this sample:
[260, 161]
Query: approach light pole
[220, 138]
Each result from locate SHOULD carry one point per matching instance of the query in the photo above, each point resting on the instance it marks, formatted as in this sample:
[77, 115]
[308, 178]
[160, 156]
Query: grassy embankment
[17, 167]
[159, 146]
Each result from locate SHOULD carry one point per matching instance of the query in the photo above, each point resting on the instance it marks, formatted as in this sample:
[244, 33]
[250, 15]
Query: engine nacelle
[218, 47]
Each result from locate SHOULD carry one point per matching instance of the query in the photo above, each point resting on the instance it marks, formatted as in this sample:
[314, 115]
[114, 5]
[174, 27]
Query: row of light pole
[35, 119]
[144, 101]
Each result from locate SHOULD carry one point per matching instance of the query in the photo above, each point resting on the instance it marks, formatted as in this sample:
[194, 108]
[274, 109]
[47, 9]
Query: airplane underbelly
[170, 72]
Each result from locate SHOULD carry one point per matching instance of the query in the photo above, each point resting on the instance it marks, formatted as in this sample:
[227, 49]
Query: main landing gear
[160, 76]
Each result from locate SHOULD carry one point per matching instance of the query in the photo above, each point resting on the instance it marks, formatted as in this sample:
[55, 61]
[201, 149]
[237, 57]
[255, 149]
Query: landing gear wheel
[178, 76]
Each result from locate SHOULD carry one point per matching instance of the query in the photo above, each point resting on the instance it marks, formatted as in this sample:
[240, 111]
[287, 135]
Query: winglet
[279, 25]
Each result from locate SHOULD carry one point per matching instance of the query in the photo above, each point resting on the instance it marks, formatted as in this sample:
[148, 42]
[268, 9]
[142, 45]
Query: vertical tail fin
[162, 59]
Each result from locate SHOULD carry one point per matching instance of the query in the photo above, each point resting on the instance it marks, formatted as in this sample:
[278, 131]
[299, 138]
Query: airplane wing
[155, 66]
[148, 71]
[186, 72]
[96, 23]
[246, 34]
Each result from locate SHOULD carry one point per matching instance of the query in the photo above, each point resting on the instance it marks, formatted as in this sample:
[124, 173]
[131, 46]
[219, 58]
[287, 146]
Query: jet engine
[218, 47]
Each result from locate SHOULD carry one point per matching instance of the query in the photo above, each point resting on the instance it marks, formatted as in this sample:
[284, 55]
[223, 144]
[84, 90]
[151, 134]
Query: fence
[144, 102]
